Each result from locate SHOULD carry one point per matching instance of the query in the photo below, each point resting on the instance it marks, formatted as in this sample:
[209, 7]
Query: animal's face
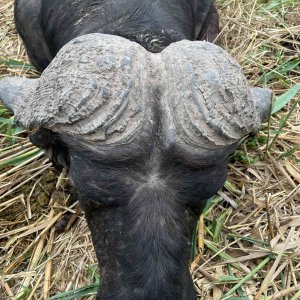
[109, 180]
[146, 138]
[141, 202]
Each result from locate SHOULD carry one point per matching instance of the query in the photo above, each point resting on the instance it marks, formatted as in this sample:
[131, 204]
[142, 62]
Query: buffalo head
[145, 137]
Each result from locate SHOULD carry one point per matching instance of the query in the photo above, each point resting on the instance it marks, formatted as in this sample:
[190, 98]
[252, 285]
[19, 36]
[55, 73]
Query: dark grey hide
[144, 131]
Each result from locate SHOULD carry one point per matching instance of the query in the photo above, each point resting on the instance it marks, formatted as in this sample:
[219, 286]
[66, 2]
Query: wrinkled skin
[142, 199]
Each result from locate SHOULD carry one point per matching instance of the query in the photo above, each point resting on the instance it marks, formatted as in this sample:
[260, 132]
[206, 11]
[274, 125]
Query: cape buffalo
[143, 114]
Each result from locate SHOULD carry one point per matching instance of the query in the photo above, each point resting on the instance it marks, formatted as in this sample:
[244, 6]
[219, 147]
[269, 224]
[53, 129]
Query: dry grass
[248, 238]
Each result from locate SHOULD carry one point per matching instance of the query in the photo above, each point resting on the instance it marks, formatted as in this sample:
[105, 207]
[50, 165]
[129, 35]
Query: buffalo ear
[42, 138]
[13, 89]
[55, 148]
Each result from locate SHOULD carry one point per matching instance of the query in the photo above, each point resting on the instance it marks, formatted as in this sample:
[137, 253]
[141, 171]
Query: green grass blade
[280, 72]
[290, 152]
[211, 203]
[9, 121]
[248, 239]
[81, 292]
[219, 224]
[20, 158]
[282, 100]
[247, 277]
[275, 4]
[229, 186]
[17, 64]
[296, 296]
[222, 254]
[283, 122]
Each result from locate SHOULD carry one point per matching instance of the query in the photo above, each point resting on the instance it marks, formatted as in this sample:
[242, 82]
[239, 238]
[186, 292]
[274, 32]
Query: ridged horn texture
[208, 95]
[104, 88]
[94, 88]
